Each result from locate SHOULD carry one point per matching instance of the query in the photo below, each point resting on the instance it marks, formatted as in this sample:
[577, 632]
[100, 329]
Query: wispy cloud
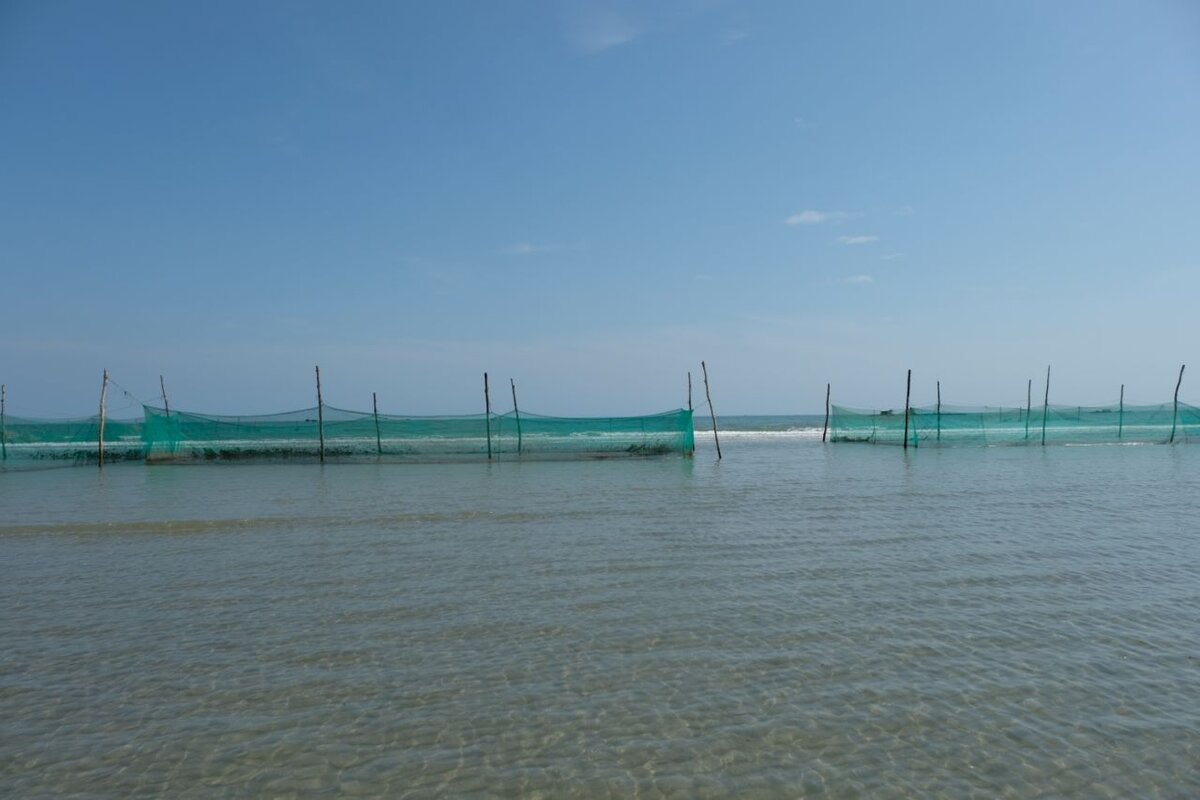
[534, 248]
[859, 280]
[803, 124]
[891, 256]
[905, 211]
[525, 249]
[734, 36]
[857, 239]
[811, 217]
[601, 30]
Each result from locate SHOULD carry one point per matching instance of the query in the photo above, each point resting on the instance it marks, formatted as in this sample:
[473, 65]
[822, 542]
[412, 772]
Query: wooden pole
[1175, 414]
[690, 390]
[3, 439]
[166, 406]
[939, 411]
[1028, 405]
[320, 416]
[100, 439]
[516, 413]
[825, 430]
[1046, 406]
[1121, 413]
[378, 439]
[711, 412]
[907, 396]
[487, 414]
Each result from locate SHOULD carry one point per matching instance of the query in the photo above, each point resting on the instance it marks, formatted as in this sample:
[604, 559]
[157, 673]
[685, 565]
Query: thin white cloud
[891, 256]
[803, 124]
[813, 217]
[602, 30]
[734, 36]
[859, 280]
[905, 211]
[526, 249]
[857, 239]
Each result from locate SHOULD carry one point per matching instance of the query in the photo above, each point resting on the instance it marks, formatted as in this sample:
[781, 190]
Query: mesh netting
[298, 434]
[956, 425]
[27, 440]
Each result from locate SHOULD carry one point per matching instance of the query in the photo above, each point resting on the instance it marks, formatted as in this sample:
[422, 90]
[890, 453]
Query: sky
[590, 198]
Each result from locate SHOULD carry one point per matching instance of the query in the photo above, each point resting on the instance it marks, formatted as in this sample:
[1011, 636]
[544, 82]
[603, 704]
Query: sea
[794, 619]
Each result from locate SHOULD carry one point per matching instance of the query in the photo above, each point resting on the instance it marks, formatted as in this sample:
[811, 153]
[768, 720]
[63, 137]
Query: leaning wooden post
[1046, 406]
[516, 413]
[487, 414]
[825, 430]
[320, 416]
[100, 438]
[907, 396]
[1121, 412]
[166, 406]
[711, 412]
[939, 411]
[1175, 414]
[378, 439]
[689, 390]
[3, 439]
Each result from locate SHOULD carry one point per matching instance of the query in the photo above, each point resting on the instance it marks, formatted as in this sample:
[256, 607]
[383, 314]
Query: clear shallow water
[798, 619]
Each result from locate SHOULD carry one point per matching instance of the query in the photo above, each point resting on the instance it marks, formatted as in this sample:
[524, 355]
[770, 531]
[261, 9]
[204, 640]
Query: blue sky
[592, 197]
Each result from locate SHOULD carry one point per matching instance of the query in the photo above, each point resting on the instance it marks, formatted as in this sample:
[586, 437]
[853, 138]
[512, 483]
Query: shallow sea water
[796, 620]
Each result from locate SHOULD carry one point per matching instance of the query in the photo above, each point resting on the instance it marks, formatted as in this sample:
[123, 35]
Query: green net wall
[351, 434]
[957, 425]
[27, 441]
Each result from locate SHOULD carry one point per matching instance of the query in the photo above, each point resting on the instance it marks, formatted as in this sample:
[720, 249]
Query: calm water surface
[797, 620]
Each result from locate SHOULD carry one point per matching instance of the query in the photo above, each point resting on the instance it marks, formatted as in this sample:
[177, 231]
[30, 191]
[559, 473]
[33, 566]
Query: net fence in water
[346, 434]
[32, 441]
[958, 425]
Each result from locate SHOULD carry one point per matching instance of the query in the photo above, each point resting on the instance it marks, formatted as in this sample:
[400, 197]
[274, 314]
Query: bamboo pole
[711, 412]
[100, 438]
[166, 406]
[1046, 406]
[1028, 405]
[825, 430]
[907, 396]
[690, 390]
[516, 413]
[3, 437]
[1121, 413]
[378, 439]
[320, 416]
[487, 414]
[1175, 413]
[939, 411]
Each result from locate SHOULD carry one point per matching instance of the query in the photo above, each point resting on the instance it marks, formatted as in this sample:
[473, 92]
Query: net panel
[30, 440]
[348, 434]
[958, 425]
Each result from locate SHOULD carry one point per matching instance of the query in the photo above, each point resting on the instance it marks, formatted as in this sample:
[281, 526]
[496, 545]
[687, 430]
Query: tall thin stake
[907, 396]
[1046, 406]
[939, 411]
[711, 412]
[487, 414]
[825, 430]
[1028, 405]
[689, 390]
[320, 416]
[516, 413]
[3, 439]
[100, 439]
[1175, 414]
[1121, 413]
[378, 438]
[166, 406]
